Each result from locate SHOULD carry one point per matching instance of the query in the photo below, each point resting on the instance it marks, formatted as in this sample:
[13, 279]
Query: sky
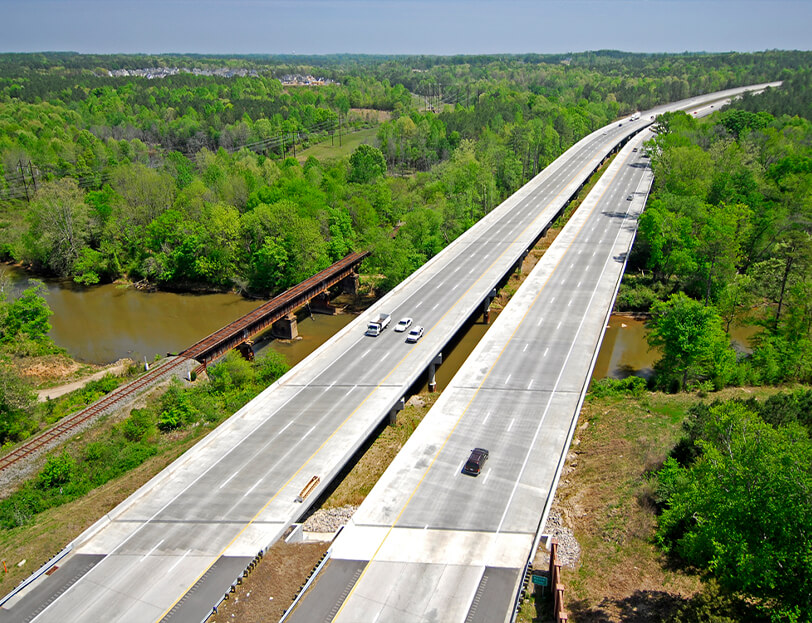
[403, 26]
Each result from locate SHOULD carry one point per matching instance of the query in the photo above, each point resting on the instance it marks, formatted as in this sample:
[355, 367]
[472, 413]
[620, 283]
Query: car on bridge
[404, 324]
[414, 335]
[473, 466]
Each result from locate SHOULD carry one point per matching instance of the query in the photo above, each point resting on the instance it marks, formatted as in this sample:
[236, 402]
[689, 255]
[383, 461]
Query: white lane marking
[366, 352]
[418, 305]
[487, 415]
[472, 270]
[543, 417]
[511, 424]
[579, 285]
[530, 384]
[525, 348]
[569, 302]
[484, 480]
[508, 378]
[552, 299]
[350, 390]
[459, 468]
[538, 324]
[180, 560]
[546, 350]
[384, 356]
[257, 453]
[435, 306]
[457, 268]
[254, 486]
[326, 389]
[149, 553]
[593, 253]
[455, 287]
[559, 325]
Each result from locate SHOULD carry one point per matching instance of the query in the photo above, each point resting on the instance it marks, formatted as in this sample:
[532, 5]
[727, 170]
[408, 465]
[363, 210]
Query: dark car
[473, 466]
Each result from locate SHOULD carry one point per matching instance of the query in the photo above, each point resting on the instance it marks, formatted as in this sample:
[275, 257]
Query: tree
[366, 164]
[58, 226]
[742, 510]
[692, 341]
[15, 401]
[26, 316]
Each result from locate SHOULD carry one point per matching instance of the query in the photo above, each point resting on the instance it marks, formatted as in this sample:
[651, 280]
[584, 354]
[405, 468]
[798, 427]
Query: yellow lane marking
[473, 396]
[354, 411]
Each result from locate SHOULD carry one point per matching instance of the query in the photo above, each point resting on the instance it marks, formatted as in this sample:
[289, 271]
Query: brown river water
[105, 323]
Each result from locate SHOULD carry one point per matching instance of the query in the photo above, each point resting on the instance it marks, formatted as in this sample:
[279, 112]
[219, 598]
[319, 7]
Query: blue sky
[403, 26]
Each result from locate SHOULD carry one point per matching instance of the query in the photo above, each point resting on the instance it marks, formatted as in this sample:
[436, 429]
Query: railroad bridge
[278, 310]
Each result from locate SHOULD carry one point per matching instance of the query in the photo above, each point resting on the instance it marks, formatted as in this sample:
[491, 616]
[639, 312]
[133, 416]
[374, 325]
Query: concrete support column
[393, 412]
[486, 307]
[433, 371]
[349, 285]
[286, 328]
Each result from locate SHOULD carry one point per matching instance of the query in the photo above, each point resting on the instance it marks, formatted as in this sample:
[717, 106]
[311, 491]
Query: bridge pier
[321, 305]
[286, 328]
[433, 371]
[393, 412]
[486, 307]
[246, 349]
[349, 285]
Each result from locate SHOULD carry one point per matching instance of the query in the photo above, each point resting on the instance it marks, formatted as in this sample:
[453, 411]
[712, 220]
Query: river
[104, 323]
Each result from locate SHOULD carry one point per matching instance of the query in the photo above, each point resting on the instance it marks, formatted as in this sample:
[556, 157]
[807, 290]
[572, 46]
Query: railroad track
[68, 424]
[203, 351]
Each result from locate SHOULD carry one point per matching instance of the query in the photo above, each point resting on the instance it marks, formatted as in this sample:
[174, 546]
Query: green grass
[328, 151]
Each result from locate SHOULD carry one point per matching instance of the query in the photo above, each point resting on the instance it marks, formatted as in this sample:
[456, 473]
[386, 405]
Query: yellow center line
[468, 404]
[355, 410]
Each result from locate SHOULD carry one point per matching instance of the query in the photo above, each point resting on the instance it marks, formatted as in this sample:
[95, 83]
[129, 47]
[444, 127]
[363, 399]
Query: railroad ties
[205, 351]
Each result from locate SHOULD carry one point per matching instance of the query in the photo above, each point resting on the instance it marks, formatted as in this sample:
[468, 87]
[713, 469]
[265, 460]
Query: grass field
[330, 150]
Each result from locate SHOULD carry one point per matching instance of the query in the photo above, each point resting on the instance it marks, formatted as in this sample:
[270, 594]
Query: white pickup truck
[375, 327]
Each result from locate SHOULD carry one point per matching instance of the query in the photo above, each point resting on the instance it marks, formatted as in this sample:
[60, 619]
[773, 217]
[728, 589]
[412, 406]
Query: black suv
[475, 462]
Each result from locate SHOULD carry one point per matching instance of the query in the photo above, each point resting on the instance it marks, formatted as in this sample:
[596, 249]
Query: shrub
[630, 386]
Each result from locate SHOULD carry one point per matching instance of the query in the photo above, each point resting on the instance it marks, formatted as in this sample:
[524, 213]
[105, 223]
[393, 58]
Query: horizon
[402, 27]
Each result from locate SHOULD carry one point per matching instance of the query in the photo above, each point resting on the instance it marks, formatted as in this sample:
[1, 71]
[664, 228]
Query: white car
[404, 324]
[415, 334]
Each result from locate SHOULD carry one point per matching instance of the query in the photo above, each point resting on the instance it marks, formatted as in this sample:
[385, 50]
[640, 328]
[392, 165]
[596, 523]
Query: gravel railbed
[26, 466]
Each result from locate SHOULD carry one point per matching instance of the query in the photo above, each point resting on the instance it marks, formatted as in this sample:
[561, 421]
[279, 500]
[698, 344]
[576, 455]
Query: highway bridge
[171, 550]
[430, 543]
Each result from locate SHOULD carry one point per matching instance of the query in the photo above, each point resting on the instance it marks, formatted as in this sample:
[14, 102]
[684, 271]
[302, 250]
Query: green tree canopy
[692, 341]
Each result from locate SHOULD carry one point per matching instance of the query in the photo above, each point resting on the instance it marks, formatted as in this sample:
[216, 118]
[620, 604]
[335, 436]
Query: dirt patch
[273, 584]
[49, 369]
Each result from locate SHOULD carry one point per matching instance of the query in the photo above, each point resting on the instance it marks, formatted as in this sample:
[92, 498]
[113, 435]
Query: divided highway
[433, 544]
[170, 551]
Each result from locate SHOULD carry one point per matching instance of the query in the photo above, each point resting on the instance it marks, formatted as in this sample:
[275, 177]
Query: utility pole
[33, 179]
[25, 184]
